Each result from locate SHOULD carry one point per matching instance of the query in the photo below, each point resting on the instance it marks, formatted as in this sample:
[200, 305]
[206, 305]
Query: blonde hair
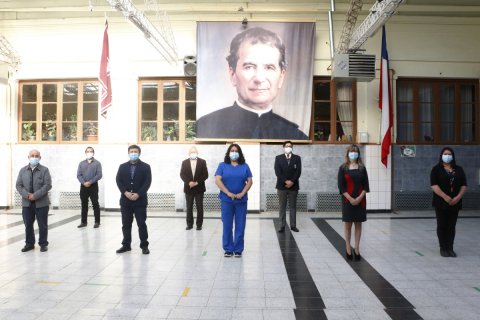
[346, 164]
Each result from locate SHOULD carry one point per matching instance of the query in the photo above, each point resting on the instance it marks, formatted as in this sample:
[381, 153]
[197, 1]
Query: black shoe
[238, 254]
[124, 249]
[349, 256]
[444, 253]
[188, 228]
[295, 229]
[145, 251]
[199, 228]
[281, 229]
[227, 254]
[27, 248]
[82, 225]
[452, 253]
[44, 249]
[96, 225]
[357, 256]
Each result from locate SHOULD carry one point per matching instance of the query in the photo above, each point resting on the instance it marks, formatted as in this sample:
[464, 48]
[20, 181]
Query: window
[437, 111]
[168, 110]
[58, 112]
[334, 111]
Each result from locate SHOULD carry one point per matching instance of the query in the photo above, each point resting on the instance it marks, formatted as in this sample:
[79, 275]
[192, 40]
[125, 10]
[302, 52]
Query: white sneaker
[227, 254]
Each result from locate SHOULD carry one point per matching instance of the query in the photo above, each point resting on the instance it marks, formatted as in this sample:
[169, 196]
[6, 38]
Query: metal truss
[8, 54]
[349, 24]
[380, 13]
[139, 19]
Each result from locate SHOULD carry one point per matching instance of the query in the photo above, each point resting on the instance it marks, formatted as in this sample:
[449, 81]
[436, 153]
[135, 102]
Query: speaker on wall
[190, 66]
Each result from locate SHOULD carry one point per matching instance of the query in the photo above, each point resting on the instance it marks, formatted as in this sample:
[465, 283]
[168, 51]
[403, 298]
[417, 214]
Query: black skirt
[355, 180]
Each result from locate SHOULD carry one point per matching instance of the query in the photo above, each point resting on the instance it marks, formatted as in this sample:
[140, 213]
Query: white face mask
[288, 150]
[89, 155]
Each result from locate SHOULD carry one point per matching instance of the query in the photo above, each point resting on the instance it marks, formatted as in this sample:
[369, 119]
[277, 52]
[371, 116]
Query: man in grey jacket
[33, 184]
[88, 173]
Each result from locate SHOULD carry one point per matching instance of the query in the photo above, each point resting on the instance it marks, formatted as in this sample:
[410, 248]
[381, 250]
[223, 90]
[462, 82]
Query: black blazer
[439, 177]
[285, 171]
[142, 179]
[201, 174]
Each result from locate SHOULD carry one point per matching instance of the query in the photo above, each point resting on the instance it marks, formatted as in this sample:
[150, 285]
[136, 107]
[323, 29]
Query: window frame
[436, 82]
[59, 122]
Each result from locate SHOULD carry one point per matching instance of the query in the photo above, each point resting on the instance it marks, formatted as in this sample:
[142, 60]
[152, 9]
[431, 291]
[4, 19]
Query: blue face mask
[134, 156]
[193, 156]
[89, 155]
[353, 155]
[34, 161]
[447, 158]
[234, 155]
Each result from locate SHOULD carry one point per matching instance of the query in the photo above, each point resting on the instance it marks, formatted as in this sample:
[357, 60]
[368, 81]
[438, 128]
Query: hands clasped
[451, 201]
[288, 184]
[235, 196]
[355, 201]
[31, 197]
[131, 196]
[192, 184]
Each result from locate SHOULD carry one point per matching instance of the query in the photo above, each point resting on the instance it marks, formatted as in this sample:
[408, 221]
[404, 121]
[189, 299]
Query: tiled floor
[186, 276]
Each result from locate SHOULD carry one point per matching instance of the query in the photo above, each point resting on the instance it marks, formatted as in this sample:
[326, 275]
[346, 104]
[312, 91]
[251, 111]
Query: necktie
[288, 158]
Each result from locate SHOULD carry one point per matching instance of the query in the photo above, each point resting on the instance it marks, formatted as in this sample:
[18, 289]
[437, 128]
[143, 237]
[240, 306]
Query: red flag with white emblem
[104, 77]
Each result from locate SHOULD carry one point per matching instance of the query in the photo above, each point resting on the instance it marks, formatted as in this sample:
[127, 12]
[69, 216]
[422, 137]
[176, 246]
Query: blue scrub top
[234, 178]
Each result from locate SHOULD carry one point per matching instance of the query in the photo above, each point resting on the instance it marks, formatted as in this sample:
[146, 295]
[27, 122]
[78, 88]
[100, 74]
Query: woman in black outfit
[353, 185]
[449, 184]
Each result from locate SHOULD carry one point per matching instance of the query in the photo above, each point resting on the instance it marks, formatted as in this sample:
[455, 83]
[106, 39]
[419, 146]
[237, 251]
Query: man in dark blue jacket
[133, 180]
[288, 168]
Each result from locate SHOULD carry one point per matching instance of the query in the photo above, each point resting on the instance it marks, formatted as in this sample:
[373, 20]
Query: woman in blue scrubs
[234, 178]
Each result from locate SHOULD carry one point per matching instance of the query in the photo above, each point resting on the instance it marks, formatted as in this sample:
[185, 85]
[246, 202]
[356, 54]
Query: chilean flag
[104, 77]
[385, 102]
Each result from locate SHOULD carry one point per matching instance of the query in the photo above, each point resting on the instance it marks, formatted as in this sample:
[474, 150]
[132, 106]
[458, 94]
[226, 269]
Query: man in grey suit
[33, 183]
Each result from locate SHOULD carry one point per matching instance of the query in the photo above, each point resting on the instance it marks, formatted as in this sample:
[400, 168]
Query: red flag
[104, 77]
[385, 103]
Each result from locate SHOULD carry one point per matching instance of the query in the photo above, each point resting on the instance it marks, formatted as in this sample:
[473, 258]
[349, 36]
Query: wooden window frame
[436, 103]
[333, 112]
[181, 112]
[59, 104]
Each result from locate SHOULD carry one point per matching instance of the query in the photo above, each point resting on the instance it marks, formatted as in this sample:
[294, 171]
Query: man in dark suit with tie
[133, 180]
[288, 168]
[194, 172]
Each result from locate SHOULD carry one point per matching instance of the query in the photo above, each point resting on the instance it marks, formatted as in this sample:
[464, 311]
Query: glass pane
[425, 92]
[149, 111]
[405, 92]
[49, 131]
[405, 111]
[426, 112]
[447, 93]
[149, 91]
[447, 131]
[190, 131]
[29, 93]
[170, 111]
[49, 112]
[447, 112]
[171, 91]
[344, 91]
[29, 131]
[49, 92]
[191, 111]
[322, 91]
[426, 131]
[90, 131]
[29, 112]
[322, 131]
[69, 131]
[322, 111]
[344, 131]
[170, 131]
[90, 112]
[69, 112]
[149, 131]
[70, 92]
[468, 132]
[468, 113]
[90, 92]
[190, 91]
[344, 111]
[405, 132]
[467, 92]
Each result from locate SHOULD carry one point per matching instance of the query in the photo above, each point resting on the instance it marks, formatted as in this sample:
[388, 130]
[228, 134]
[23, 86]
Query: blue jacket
[142, 179]
[285, 171]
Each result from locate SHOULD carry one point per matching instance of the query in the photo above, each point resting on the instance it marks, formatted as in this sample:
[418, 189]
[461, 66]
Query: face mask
[34, 161]
[89, 155]
[353, 155]
[288, 150]
[193, 156]
[234, 155]
[447, 158]
[134, 156]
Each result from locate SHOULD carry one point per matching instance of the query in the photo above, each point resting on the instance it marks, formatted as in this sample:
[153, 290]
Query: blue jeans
[231, 210]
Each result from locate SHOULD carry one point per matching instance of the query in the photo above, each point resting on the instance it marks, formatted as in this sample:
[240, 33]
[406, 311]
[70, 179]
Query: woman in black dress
[449, 184]
[353, 185]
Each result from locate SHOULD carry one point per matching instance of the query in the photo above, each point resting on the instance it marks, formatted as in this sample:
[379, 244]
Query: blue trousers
[238, 211]
[41, 214]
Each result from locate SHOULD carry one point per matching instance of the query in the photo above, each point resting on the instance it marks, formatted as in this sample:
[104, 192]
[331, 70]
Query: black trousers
[292, 201]
[140, 214]
[92, 193]
[29, 214]
[446, 223]
[199, 201]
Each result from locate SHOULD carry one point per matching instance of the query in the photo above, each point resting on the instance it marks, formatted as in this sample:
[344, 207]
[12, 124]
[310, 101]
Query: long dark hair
[241, 158]
[453, 163]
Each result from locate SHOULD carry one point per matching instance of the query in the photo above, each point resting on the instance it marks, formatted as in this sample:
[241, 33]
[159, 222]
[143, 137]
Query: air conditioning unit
[353, 67]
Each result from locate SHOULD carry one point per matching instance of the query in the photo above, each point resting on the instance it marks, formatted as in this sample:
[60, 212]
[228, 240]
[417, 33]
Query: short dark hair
[285, 143]
[254, 36]
[453, 163]
[134, 146]
[89, 148]
[241, 158]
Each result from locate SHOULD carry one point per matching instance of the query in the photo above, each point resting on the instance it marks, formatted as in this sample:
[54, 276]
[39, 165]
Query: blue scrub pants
[231, 210]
